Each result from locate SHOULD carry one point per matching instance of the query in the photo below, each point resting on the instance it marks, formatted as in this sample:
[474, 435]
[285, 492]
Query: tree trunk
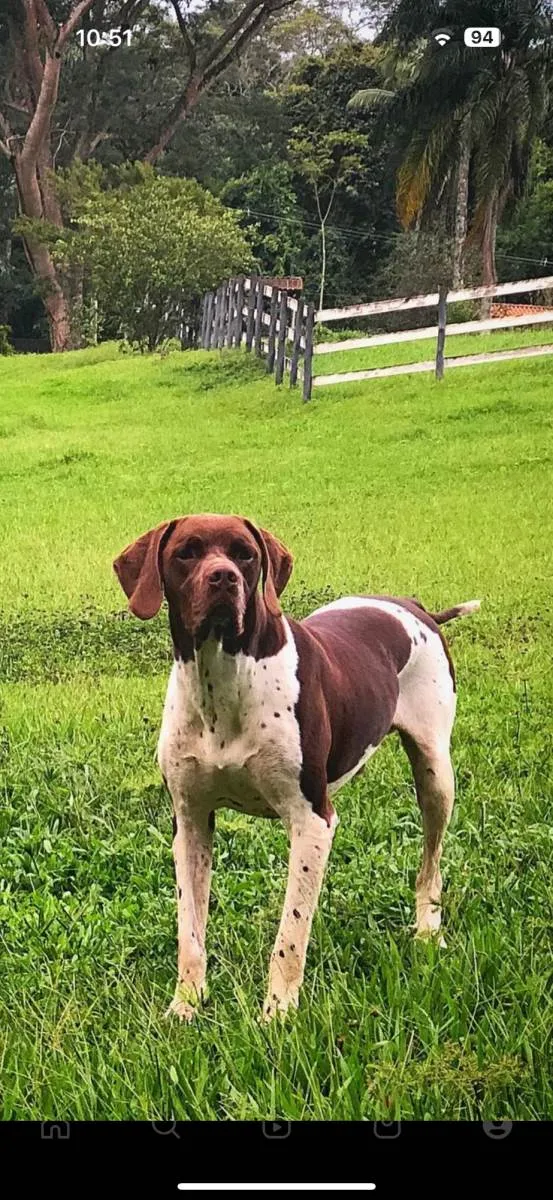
[38, 41]
[31, 204]
[323, 264]
[489, 235]
[323, 218]
[59, 321]
[179, 112]
[51, 291]
[461, 211]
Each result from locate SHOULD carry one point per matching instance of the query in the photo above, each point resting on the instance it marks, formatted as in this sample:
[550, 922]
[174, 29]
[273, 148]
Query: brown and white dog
[271, 716]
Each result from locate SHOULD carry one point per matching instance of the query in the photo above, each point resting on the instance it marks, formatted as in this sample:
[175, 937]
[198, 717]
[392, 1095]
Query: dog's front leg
[310, 843]
[192, 852]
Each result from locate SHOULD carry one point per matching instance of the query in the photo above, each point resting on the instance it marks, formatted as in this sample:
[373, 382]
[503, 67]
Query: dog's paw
[186, 1002]
[431, 935]
[278, 1005]
[428, 921]
[181, 1009]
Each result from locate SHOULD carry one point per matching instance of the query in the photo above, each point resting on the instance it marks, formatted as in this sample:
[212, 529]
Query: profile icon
[497, 1130]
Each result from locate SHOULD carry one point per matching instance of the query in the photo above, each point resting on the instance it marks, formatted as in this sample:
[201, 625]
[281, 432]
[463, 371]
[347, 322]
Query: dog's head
[209, 567]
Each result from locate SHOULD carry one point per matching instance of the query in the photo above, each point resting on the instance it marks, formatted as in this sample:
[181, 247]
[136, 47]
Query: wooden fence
[269, 320]
[440, 300]
[279, 326]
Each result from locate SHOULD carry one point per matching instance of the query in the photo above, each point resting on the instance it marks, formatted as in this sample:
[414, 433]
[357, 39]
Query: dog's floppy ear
[280, 558]
[276, 566]
[139, 573]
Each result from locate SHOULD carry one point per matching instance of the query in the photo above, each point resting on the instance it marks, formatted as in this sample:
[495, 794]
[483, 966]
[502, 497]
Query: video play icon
[276, 1129]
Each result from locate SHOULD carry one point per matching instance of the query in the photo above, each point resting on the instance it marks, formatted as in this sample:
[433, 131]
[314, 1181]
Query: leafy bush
[148, 246]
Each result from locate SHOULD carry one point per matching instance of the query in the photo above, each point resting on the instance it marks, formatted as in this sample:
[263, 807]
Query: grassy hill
[400, 485]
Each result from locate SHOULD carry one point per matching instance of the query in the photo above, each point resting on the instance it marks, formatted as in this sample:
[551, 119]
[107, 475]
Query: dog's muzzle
[221, 607]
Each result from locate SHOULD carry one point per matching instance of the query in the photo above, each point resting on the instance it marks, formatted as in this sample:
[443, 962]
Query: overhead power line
[360, 235]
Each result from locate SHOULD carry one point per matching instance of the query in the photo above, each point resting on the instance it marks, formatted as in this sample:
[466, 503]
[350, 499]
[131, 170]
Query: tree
[38, 44]
[150, 246]
[210, 47]
[327, 161]
[37, 38]
[472, 114]
[525, 241]
[362, 217]
[241, 126]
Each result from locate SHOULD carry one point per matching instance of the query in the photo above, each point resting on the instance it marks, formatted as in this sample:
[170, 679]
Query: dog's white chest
[229, 723]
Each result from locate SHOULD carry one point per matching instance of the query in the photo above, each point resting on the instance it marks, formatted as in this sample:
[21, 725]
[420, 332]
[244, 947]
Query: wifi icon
[442, 36]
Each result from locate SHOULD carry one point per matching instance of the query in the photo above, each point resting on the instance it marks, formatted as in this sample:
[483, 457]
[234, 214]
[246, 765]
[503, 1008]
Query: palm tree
[470, 114]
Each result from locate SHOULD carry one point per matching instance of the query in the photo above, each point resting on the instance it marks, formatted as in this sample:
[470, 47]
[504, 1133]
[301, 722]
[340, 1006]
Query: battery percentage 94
[482, 36]
[108, 37]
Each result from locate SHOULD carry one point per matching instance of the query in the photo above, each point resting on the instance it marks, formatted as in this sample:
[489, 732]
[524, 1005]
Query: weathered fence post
[252, 292]
[203, 331]
[204, 319]
[220, 312]
[442, 318]
[227, 320]
[233, 315]
[296, 344]
[212, 332]
[282, 331]
[239, 326]
[229, 313]
[218, 317]
[272, 330]
[208, 323]
[225, 304]
[308, 353]
[259, 309]
[196, 323]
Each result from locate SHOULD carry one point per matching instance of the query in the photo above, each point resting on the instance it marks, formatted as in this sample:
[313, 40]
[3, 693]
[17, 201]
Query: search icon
[165, 1127]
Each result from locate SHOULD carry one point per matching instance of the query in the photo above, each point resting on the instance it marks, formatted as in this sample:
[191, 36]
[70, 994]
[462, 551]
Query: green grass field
[400, 485]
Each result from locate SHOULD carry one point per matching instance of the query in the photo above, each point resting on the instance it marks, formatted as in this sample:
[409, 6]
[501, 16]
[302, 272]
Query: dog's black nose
[223, 577]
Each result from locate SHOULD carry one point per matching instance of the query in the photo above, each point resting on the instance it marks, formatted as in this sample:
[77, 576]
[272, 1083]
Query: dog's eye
[242, 553]
[191, 549]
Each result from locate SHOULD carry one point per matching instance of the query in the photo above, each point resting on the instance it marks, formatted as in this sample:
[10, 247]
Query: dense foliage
[358, 153]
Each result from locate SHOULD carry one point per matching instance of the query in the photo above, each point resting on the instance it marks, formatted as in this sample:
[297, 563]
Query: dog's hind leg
[435, 789]
[424, 720]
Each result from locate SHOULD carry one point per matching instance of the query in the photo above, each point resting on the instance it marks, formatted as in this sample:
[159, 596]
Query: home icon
[54, 1129]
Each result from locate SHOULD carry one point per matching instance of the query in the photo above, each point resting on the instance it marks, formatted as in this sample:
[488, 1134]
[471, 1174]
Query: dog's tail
[460, 610]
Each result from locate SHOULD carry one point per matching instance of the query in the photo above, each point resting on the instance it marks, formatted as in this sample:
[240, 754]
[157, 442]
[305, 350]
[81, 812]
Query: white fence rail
[440, 299]
[430, 300]
[420, 335]
[464, 360]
